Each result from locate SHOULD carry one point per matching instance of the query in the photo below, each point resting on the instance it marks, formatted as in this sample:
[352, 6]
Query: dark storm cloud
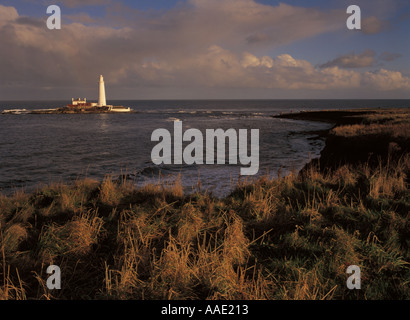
[29, 21]
[365, 59]
[390, 56]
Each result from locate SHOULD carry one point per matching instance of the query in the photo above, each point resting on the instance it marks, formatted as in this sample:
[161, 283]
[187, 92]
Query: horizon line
[214, 99]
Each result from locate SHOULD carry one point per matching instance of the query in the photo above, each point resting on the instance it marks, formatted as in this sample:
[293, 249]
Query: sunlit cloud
[200, 43]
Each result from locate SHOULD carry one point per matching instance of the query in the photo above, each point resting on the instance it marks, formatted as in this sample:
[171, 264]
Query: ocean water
[40, 149]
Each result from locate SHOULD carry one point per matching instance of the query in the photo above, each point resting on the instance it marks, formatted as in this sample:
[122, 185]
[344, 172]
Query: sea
[40, 149]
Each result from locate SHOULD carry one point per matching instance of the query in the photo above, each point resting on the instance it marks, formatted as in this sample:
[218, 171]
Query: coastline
[289, 238]
[66, 110]
[359, 135]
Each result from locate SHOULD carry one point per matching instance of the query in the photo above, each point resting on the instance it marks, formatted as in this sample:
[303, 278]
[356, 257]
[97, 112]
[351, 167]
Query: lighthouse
[101, 97]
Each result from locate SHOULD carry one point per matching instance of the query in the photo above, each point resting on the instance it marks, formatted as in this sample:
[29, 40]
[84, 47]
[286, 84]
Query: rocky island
[78, 106]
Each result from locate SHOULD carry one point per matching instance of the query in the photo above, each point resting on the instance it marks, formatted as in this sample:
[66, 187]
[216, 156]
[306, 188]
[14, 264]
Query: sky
[205, 49]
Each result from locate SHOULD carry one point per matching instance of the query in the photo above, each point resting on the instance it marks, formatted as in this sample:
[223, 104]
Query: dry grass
[394, 130]
[74, 238]
[286, 238]
[393, 123]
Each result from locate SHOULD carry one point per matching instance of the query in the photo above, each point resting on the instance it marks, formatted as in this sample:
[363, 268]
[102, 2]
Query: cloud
[172, 36]
[83, 18]
[29, 21]
[386, 80]
[374, 25]
[80, 3]
[218, 67]
[7, 14]
[257, 38]
[364, 59]
[199, 44]
[390, 56]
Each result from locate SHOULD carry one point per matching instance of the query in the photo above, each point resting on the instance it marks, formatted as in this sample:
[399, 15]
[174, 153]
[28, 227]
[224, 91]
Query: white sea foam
[171, 119]
[15, 111]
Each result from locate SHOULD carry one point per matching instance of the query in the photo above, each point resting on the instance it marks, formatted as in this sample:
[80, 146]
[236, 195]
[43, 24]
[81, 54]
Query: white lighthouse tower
[101, 97]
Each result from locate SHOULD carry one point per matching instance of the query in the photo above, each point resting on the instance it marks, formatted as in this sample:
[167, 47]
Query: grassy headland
[287, 238]
[361, 135]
